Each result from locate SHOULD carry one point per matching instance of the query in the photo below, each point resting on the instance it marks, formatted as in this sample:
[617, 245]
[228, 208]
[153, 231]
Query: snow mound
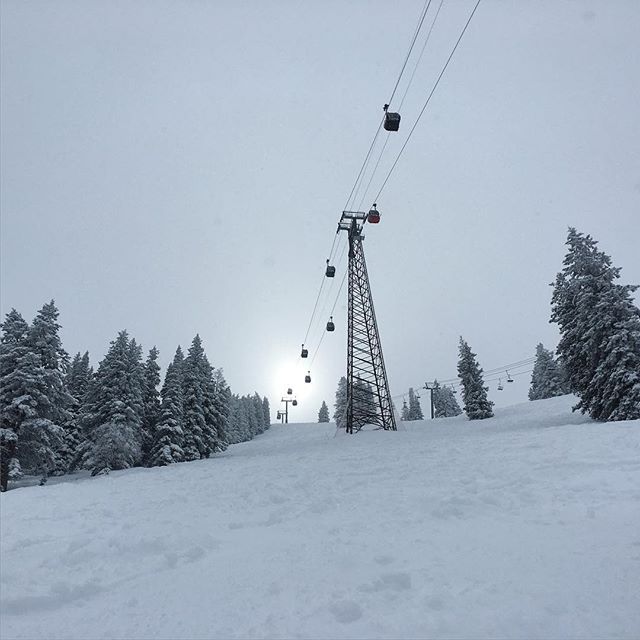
[526, 525]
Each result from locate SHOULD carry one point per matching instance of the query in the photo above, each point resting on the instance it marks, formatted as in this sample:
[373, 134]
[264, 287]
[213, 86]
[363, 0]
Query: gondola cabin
[307, 378]
[289, 391]
[374, 215]
[330, 325]
[331, 270]
[294, 403]
[391, 121]
[304, 353]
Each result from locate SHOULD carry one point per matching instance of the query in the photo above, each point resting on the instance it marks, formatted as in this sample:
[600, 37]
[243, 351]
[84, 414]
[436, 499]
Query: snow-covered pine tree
[77, 380]
[256, 403]
[600, 332]
[196, 429]
[474, 394]
[33, 398]
[12, 349]
[44, 340]
[150, 402]
[112, 413]
[415, 410]
[246, 419]
[168, 437]
[233, 428]
[364, 400]
[546, 379]
[323, 413]
[340, 406]
[205, 410]
[445, 404]
[219, 399]
[266, 410]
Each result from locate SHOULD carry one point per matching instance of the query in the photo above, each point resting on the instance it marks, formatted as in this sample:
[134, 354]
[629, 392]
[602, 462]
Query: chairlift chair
[500, 387]
[509, 378]
[331, 270]
[330, 325]
[304, 353]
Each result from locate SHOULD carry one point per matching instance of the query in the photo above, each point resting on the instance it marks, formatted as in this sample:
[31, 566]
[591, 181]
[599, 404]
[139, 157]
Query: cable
[344, 277]
[424, 46]
[435, 86]
[415, 68]
[491, 374]
[423, 15]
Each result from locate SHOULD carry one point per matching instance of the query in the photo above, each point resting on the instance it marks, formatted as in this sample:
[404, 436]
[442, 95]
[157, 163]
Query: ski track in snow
[523, 526]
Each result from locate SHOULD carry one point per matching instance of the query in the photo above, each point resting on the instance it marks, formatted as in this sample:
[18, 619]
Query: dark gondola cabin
[331, 270]
[304, 353]
[374, 215]
[294, 403]
[289, 391]
[391, 121]
[307, 378]
[330, 325]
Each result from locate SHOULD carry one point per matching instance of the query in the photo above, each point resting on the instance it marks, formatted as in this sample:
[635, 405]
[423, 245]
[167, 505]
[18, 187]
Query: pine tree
[323, 413]
[194, 389]
[12, 349]
[220, 396]
[474, 394]
[415, 410]
[234, 431]
[340, 406]
[445, 404]
[44, 340]
[267, 412]
[600, 332]
[546, 379]
[205, 406]
[150, 402]
[79, 376]
[168, 437]
[112, 414]
[77, 381]
[33, 398]
[245, 419]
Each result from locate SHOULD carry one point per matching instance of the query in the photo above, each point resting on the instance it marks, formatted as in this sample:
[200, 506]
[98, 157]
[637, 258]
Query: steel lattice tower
[368, 398]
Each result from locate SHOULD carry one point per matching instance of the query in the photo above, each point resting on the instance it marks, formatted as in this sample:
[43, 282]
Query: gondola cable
[426, 104]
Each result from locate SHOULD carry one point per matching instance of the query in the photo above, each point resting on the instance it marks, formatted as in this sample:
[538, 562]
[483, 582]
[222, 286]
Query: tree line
[59, 415]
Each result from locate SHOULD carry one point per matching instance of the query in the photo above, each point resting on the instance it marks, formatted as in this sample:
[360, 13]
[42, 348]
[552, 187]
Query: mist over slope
[524, 525]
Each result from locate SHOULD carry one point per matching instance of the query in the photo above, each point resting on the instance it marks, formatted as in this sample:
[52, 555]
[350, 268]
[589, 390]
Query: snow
[526, 525]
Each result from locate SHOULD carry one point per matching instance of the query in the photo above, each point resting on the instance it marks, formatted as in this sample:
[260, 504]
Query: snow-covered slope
[523, 526]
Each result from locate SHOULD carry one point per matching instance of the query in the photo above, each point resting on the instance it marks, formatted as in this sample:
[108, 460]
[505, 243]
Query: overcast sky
[179, 167]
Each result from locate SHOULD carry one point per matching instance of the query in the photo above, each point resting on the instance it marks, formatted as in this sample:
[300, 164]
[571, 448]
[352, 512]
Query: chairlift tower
[366, 373]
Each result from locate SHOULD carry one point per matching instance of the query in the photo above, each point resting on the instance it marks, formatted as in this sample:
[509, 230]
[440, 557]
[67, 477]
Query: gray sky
[179, 167]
